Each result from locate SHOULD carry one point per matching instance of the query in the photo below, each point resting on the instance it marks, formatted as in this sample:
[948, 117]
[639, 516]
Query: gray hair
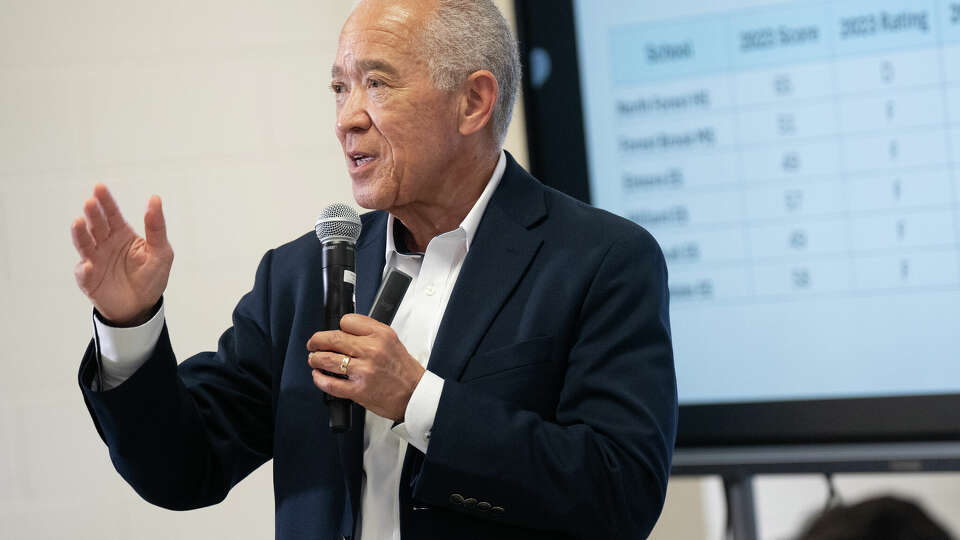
[463, 36]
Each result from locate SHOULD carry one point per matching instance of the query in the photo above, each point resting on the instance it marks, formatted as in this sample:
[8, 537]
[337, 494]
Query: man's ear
[479, 95]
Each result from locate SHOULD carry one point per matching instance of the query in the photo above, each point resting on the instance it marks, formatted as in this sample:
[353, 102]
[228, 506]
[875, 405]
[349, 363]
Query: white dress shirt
[124, 350]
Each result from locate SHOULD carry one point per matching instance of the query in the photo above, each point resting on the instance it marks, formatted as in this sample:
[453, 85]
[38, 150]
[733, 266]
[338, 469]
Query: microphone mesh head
[338, 222]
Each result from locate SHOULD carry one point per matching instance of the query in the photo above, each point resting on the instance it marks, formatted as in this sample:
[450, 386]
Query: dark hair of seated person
[881, 518]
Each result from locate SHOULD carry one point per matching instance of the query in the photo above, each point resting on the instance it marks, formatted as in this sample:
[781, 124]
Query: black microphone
[338, 229]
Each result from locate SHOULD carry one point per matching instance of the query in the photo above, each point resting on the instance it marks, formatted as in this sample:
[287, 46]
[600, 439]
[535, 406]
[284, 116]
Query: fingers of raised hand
[154, 224]
[83, 272]
[109, 206]
[96, 221]
[82, 239]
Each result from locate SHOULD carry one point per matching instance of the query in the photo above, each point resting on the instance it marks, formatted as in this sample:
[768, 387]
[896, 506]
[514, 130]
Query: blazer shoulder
[576, 219]
[305, 244]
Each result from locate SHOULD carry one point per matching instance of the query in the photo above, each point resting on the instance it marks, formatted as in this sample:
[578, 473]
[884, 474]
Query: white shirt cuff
[124, 350]
[421, 410]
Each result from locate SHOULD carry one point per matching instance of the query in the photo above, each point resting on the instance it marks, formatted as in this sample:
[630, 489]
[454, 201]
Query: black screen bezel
[558, 157]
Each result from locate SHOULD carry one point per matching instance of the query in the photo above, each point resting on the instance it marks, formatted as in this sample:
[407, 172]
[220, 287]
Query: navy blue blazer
[557, 418]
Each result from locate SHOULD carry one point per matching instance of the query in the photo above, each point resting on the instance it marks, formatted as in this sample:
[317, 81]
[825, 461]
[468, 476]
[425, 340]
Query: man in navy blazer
[557, 411]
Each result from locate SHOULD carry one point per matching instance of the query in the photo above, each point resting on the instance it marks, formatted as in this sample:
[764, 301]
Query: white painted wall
[222, 108]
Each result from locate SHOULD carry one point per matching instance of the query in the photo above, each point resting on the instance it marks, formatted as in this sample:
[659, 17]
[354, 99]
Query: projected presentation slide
[799, 164]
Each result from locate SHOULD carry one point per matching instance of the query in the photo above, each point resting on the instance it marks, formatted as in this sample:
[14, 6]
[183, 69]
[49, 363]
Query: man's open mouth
[360, 159]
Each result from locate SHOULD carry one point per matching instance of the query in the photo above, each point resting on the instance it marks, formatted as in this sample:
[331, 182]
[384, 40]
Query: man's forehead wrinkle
[400, 14]
[363, 65]
[375, 64]
[381, 35]
[373, 49]
[396, 21]
[391, 35]
[400, 20]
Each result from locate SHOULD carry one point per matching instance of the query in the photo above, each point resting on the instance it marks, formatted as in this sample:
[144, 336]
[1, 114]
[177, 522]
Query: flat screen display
[799, 164]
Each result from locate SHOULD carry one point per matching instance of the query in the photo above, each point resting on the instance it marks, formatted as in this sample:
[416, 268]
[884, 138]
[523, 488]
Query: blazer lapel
[499, 255]
[370, 260]
[371, 252]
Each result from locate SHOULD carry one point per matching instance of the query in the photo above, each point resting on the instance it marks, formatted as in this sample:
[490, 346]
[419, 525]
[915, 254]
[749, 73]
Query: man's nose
[353, 114]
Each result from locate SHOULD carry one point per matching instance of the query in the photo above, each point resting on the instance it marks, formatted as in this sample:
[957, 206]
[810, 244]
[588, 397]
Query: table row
[793, 32]
[686, 207]
[843, 236]
[915, 156]
[888, 113]
[891, 71]
[861, 274]
[757, 136]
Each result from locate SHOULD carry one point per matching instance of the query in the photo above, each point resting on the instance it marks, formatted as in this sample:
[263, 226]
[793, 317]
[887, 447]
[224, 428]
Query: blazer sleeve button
[483, 506]
[497, 510]
[469, 503]
[456, 499]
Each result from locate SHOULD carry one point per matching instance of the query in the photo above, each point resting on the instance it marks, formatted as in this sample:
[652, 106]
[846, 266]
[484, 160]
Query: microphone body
[338, 229]
[339, 282]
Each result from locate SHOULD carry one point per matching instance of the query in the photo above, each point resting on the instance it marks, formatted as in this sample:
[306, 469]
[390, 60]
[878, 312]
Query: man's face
[397, 131]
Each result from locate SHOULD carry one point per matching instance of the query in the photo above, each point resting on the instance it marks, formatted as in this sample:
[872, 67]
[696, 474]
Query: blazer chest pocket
[512, 360]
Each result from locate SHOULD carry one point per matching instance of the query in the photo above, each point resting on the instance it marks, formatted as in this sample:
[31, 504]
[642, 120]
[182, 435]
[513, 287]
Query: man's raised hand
[122, 273]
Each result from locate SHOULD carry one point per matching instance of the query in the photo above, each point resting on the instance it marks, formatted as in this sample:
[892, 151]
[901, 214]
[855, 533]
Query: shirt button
[430, 290]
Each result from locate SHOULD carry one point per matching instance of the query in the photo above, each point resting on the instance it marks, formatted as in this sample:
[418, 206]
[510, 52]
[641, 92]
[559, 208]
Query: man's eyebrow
[365, 66]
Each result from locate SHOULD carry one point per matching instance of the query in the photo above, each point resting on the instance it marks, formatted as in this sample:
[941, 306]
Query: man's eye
[337, 88]
[375, 83]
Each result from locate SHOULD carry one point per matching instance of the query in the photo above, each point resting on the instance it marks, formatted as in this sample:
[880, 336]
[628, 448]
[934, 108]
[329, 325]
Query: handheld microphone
[338, 229]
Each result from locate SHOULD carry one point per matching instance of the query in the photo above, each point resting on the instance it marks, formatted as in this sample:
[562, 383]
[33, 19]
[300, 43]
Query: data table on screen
[796, 150]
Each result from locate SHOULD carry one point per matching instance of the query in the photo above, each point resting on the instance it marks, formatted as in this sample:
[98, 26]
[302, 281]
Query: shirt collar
[469, 224]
